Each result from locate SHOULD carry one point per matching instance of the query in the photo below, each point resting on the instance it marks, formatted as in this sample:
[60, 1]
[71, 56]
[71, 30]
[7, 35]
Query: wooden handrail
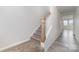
[43, 31]
[43, 35]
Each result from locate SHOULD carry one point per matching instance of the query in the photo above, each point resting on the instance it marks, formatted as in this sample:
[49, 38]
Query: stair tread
[35, 38]
[37, 34]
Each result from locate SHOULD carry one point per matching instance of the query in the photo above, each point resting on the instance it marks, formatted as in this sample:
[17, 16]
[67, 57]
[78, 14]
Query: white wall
[18, 23]
[53, 27]
[76, 23]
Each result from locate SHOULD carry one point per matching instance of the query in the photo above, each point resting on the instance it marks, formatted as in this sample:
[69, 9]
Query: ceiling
[66, 8]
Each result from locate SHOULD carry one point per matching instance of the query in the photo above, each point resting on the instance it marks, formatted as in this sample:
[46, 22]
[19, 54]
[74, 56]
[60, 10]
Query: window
[65, 22]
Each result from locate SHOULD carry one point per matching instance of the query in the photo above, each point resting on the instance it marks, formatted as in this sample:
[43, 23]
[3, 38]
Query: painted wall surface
[76, 23]
[53, 27]
[18, 23]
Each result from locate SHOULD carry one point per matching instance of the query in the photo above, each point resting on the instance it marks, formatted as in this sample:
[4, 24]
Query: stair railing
[43, 31]
[43, 34]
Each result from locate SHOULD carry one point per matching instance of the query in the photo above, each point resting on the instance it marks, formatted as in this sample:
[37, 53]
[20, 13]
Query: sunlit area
[68, 22]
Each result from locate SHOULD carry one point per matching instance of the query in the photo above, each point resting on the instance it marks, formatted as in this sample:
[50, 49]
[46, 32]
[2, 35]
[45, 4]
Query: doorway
[68, 22]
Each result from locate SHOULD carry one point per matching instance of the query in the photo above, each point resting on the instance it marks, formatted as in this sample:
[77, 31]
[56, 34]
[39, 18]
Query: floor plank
[65, 43]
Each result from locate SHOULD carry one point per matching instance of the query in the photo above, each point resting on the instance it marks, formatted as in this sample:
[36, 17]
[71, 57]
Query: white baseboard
[12, 45]
[20, 42]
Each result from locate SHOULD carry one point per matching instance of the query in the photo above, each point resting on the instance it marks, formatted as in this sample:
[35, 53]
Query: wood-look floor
[65, 43]
[30, 46]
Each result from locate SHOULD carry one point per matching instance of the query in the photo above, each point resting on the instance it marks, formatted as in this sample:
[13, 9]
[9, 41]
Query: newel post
[43, 35]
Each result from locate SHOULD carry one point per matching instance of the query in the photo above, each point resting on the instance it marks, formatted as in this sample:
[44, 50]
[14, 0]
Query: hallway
[65, 43]
[40, 30]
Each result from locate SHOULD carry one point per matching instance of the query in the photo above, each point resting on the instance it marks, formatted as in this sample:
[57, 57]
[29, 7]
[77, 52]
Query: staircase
[40, 32]
[36, 44]
[37, 34]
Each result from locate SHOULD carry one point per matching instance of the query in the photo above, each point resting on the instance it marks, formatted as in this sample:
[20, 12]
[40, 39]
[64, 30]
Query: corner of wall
[15, 44]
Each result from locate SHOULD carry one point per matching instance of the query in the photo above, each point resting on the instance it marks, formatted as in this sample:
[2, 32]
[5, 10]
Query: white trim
[12, 45]
[20, 42]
